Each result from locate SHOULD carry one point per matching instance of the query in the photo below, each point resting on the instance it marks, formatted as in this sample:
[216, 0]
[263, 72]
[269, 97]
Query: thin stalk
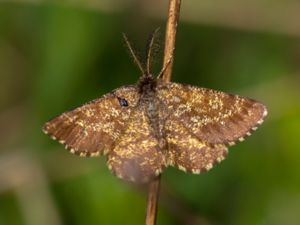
[173, 17]
[153, 193]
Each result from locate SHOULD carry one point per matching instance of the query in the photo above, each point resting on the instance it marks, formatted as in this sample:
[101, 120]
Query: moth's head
[146, 83]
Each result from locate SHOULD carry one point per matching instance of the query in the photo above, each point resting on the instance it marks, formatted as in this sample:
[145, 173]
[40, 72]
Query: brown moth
[146, 127]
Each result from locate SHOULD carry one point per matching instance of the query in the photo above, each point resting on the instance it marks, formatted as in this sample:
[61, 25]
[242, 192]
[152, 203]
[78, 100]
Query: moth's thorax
[147, 85]
[147, 90]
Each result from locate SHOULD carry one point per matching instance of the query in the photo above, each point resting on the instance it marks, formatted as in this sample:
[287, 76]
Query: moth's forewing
[213, 116]
[91, 129]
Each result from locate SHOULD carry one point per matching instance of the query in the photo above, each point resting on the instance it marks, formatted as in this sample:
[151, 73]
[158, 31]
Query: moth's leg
[163, 70]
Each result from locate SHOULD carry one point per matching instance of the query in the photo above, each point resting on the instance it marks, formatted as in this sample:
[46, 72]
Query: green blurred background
[56, 55]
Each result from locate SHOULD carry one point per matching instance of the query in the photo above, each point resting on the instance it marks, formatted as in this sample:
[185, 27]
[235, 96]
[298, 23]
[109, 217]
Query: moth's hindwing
[136, 155]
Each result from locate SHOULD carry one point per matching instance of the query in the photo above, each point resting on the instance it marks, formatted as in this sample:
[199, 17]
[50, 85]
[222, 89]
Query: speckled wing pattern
[203, 122]
[195, 127]
[93, 128]
[136, 155]
[188, 153]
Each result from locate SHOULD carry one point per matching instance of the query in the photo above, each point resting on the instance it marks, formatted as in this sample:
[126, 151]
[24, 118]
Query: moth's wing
[91, 129]
[212, 116]
[137, 156]
[189, 153]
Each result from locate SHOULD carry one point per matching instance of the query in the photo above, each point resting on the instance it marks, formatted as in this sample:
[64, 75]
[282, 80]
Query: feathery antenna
[150, 49]
[133, 54]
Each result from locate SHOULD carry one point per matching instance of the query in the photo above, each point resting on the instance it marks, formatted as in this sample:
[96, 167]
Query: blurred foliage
[55, 57]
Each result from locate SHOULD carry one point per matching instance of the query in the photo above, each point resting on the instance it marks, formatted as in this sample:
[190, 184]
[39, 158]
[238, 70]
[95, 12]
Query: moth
[144, 128]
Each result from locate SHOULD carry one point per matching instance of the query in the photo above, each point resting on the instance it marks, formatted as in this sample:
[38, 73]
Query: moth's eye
[123, 102]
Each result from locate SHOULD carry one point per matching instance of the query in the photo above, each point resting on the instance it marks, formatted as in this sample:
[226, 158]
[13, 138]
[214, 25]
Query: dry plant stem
[153, 193]
[173, 16]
